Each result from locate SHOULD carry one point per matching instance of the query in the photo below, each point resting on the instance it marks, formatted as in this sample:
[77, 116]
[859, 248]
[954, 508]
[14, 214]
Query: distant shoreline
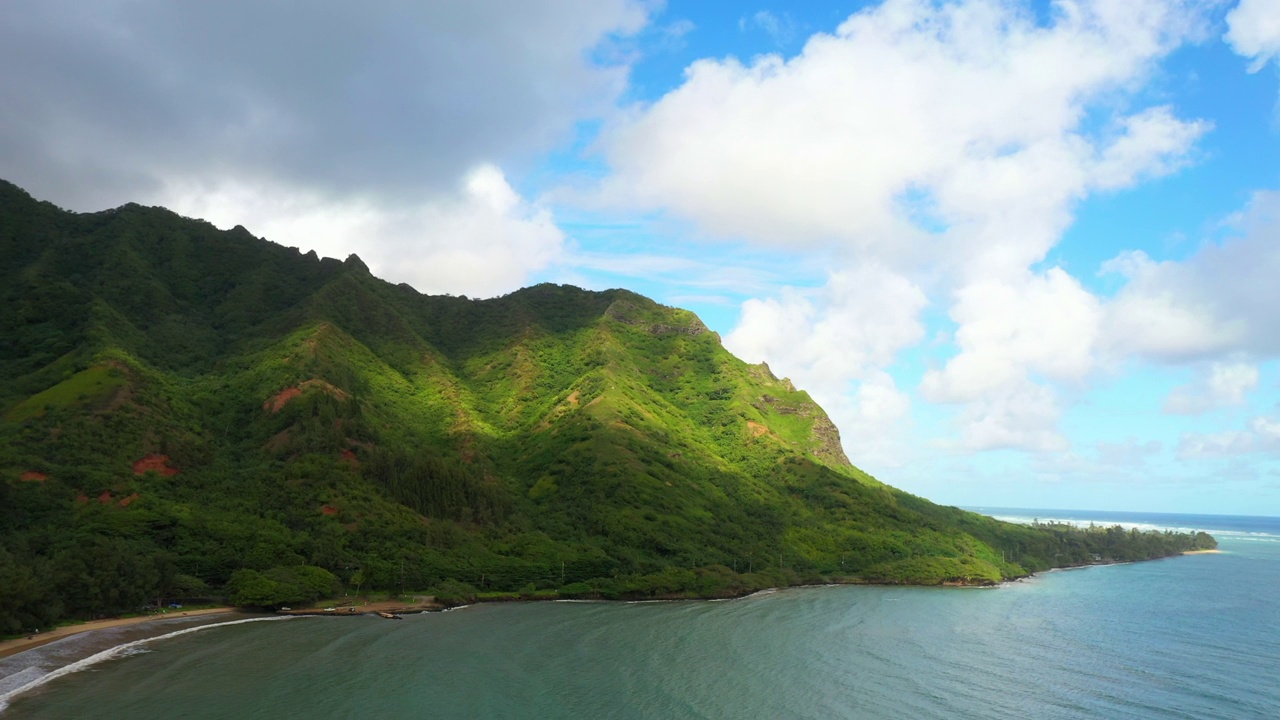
[13, 647]
[1201, 552]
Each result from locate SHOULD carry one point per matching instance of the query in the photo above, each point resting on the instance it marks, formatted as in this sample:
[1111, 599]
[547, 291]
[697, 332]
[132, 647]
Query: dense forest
[188, 412]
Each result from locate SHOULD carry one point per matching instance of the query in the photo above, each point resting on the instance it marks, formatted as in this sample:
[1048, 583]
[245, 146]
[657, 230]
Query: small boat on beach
[389, 616]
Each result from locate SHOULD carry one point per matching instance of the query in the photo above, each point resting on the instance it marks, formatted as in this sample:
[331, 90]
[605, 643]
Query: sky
[1026, 254]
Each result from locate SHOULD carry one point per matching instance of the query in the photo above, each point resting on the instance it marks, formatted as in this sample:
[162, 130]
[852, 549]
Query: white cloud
[858, 321]
[1155, 314]
[1219, 301]
[830, 144]
[1012, 334]
[483, 239]
[1153, 143]
[1014, 415]
[1042, 323]
[832, 342]
[874, 420]
[1254, 31]
[1222, 384]
[945, 144]
[746, 274]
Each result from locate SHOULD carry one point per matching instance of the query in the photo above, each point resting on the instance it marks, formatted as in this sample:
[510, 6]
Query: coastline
[21, 672]
[9, 648]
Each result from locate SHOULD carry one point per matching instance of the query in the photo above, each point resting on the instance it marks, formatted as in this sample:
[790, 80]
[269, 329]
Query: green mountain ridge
[185, 410]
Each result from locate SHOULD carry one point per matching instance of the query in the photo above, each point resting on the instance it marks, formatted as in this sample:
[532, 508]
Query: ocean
[1196, 636]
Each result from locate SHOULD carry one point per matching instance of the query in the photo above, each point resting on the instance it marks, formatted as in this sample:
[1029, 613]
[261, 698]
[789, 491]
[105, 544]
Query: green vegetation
[88, 386]
[280, 586]
[187, 412]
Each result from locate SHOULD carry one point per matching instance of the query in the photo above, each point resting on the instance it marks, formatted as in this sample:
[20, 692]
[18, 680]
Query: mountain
[185, 410]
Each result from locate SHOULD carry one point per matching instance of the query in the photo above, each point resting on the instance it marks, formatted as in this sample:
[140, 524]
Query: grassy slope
[318, 415]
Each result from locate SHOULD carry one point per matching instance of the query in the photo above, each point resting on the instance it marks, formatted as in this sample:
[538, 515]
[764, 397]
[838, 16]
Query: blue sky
[1024, 253]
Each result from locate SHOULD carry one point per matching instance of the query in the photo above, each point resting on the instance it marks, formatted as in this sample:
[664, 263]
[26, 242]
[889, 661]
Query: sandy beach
[13, 647]
[1201, 552]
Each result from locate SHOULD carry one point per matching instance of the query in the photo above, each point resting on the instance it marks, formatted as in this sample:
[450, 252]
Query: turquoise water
[1189, 637]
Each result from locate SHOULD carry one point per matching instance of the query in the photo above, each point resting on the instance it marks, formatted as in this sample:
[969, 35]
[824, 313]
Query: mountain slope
[182, 408]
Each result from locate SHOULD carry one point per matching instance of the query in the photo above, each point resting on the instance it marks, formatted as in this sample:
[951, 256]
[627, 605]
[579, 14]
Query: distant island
[187, 412]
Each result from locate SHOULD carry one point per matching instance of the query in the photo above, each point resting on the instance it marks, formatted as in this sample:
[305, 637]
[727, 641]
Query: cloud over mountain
[945, 145]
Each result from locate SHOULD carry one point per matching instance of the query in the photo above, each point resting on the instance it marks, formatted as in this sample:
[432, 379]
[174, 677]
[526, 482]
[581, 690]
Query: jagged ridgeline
[181, 404]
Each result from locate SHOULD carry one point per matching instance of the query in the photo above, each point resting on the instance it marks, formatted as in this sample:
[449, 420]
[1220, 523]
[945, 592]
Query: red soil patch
[281, 399]
[105, 498]
[82, 498]
[756, 429]
[126, 501]
[33, 476]
[158, 463]
[328, 510]
[351, 458]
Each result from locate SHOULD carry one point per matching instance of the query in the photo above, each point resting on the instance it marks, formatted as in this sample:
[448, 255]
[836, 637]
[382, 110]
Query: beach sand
[1201, 552]
[13, 647]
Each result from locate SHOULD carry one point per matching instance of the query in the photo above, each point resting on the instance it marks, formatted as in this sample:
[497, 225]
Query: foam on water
[1140, 526]
[32, 678]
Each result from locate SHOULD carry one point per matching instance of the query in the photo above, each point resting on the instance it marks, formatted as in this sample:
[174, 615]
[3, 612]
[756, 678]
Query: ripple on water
[1187, 637]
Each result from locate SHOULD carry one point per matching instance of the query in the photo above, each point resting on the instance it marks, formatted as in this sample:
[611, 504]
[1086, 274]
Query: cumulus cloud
[1221, 384]
[1014, 415]
[859, 320]
[833, 341]
[969, 104]
[1011, 332]
[482, 239]
[1157, 314]
[1150, 143]
[1253, 31]
[115, 99]
[1219, 301]
[1042, 323]
[946, 144]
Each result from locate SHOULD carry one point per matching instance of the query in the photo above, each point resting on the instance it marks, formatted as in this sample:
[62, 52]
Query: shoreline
[9, 648]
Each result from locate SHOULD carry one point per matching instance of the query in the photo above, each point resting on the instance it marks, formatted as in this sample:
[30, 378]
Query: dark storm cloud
[102, 102]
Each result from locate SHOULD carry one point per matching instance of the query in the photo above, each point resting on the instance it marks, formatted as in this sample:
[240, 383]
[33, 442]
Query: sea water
[1196, 636]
